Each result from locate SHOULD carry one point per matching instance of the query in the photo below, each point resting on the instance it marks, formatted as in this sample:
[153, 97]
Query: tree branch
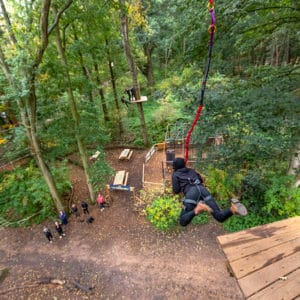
[4, 66]
[8, 23]
[67, 5]
[270, 8]
[45, 32]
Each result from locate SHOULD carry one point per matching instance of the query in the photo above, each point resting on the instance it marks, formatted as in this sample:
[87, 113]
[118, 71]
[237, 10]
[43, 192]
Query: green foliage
[164, 212]
[100, 171]
[267, 200]
[24, 195]
[221, 184]
[237, 223]
[282, 199]
[200, 219]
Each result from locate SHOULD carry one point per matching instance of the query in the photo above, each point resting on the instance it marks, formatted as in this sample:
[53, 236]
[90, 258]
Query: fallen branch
[78, 285]
[36, 284]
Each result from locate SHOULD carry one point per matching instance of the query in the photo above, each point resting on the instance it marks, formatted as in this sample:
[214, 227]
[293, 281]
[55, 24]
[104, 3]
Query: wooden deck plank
[282, 290]
[254, 262]
[130, 154]
[259, 231]
[236, 246]
[262, 258]
[268, 275]
[126, 178]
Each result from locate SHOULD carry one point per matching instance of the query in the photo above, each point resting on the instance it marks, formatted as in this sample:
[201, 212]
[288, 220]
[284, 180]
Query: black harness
[196, 183]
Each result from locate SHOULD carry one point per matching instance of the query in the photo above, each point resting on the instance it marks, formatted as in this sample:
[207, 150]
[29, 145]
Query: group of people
[130, 94]
[48, 233]
[197, 199]
[74, 210]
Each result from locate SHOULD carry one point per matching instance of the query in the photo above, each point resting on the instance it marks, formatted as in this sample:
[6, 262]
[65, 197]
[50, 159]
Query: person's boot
[237, 208]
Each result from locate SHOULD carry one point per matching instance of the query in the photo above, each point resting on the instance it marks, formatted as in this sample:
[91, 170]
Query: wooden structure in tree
[126, 154]
[142, 99]
[266, 260]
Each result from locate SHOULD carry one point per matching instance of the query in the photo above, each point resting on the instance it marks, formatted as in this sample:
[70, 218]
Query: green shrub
[282, 199]
[200, 219]
[25, 197]
[164, 212]
[222, 185]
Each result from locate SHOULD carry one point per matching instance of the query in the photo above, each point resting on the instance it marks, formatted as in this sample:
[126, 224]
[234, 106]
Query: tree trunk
[84, 69]
[73, 108]
[28, 109]
[113, 82]
[147, 68]
[100, 91]
[294, 167]
[133, 71]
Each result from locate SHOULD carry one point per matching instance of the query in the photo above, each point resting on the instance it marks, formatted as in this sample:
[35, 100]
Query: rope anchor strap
[211, 30]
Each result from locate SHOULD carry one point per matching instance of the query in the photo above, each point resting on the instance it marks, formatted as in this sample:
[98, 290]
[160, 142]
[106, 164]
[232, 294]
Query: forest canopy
[66, 64]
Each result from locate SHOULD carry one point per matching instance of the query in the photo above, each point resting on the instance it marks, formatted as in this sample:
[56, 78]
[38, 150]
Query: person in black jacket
[197, 198]
[59, 229]
[131, 94]
[85, 207]
[48, 234]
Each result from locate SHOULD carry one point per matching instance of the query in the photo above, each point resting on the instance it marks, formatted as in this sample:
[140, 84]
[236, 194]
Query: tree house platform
[142, 99]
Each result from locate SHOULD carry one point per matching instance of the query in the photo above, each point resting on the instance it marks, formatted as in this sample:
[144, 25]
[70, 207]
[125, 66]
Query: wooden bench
[95, 156]
[121, 178]
[126, 154]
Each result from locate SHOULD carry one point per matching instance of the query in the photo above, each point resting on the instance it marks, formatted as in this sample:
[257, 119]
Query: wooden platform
[266, 260]
[142, 99]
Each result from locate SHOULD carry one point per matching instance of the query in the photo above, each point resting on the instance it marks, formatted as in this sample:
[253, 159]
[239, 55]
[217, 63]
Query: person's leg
[190, 211]
[187, 214]
[217, 213]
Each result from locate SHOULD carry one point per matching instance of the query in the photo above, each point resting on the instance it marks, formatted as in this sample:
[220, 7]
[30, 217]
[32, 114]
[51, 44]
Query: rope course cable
[211, 30]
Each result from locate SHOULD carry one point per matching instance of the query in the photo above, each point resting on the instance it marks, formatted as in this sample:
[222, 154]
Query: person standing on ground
[85, 207]
[197, 198]
[101, 202]
[63, 217]
[59, 230]
[48, 234]
[75, 210]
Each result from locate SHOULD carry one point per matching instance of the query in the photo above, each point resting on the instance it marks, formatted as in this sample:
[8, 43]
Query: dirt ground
[119, 256]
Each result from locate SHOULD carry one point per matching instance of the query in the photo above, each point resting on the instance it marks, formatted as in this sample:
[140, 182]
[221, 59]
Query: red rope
[188, 137]
[212, 29]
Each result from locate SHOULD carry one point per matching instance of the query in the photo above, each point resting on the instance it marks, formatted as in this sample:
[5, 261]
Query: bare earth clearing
[120, 255]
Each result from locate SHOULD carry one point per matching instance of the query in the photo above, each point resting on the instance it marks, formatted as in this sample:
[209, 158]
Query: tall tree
[132, 67]
[73, 108]
[30, 52]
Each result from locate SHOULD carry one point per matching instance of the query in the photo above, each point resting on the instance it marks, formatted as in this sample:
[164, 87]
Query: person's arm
[175, 185]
